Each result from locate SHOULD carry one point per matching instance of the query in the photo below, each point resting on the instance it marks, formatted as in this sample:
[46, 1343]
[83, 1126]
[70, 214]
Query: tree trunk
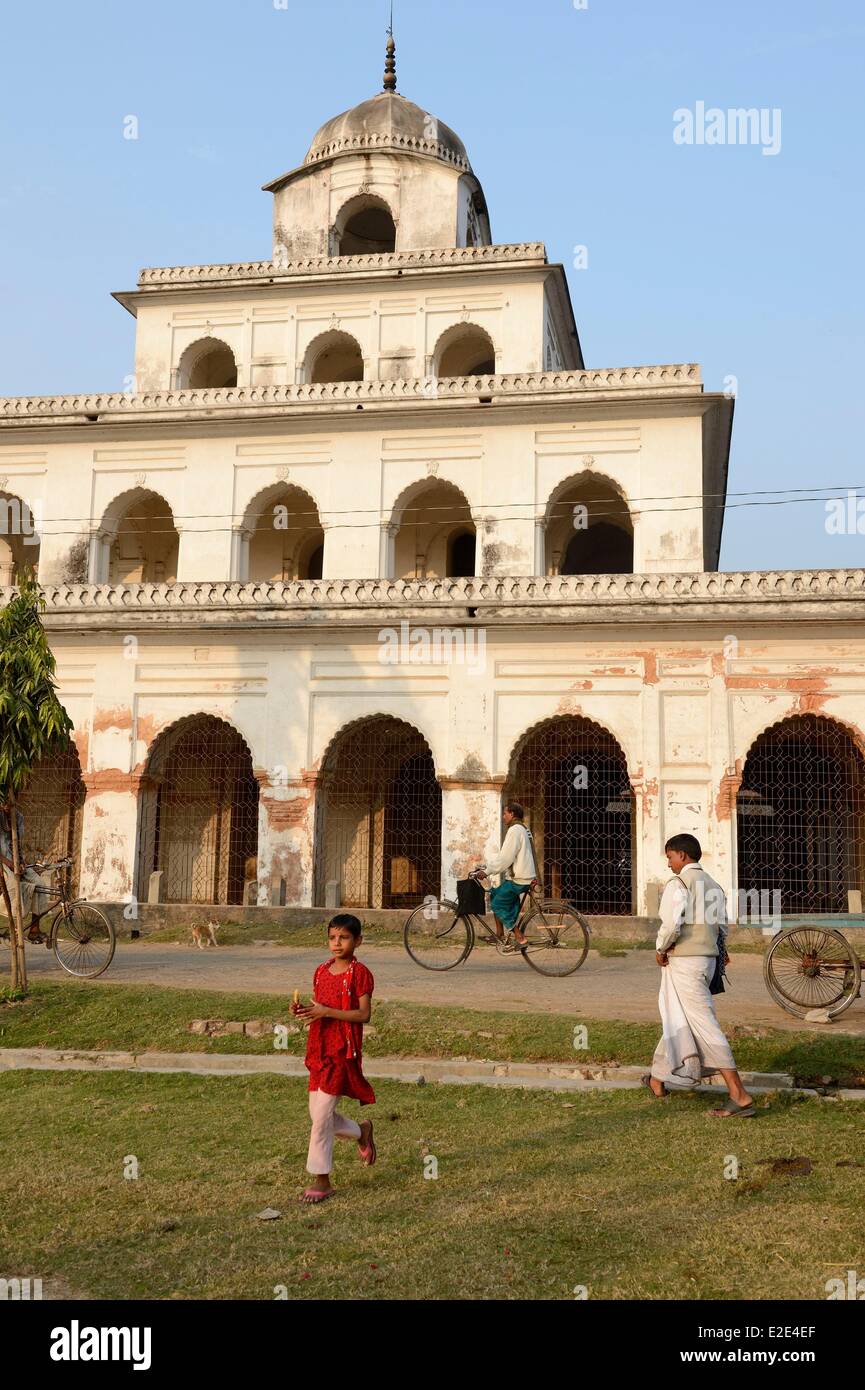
[17, 905]
[13, 931]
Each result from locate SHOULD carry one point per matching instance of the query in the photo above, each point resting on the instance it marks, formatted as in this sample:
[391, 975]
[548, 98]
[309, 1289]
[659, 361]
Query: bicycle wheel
[437, 937]
[558, 939]
[812, 968]
[83, 940]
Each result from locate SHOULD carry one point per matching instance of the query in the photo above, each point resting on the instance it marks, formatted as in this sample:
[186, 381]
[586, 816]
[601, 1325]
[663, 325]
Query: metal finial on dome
[390, 59]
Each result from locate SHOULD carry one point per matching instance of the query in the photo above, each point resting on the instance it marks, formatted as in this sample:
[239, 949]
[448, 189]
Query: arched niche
[137, 542]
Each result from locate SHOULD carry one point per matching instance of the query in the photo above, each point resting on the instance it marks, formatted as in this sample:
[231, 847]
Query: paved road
[605, 987]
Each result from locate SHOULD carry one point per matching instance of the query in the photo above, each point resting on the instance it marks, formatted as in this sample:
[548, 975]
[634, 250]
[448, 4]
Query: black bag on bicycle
[471, 897]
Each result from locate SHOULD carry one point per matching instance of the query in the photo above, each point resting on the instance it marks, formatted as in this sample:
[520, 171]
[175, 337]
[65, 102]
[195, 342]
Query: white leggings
[326, 1122]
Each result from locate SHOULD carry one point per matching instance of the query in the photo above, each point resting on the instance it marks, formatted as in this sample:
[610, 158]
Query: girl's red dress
[334, 1047]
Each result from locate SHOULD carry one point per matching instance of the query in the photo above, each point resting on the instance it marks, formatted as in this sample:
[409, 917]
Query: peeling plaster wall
[685, 710]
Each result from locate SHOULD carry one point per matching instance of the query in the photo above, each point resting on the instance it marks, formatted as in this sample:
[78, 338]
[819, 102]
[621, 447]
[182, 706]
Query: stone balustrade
[284, 269]
[591, 598]
[16, 410]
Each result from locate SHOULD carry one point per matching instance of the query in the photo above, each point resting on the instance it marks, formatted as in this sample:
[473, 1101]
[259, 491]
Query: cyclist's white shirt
[515, 855]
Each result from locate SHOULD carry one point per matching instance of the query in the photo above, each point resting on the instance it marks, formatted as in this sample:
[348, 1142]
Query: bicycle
[81, 937]
[441, 937]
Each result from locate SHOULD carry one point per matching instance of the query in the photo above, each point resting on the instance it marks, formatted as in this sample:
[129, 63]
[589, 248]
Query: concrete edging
[411, 1070]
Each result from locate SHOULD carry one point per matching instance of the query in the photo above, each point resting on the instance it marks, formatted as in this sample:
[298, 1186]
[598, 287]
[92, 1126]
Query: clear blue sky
[746, 263]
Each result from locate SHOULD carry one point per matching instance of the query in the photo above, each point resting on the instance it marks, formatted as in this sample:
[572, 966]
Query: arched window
[589, 529]
[207, 364]
[800, 815]
[198, 814]
[19, 539]
[285, 537]
[571, 777]
[334, 356]
[141, 541]
[378, 818]
[464, 350]
[435, 536]
[364, 227]
[51, 805]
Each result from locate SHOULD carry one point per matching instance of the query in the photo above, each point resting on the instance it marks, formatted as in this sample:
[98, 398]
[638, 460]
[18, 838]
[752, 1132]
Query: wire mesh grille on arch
[378, 830]
[51, 806]
[571, 777]
[198, 814]
[800, 815]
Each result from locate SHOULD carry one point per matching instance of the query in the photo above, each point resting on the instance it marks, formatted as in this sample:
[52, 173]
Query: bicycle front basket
[471, 896]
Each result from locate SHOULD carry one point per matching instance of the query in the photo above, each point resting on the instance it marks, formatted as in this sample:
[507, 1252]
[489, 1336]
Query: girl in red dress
[342, 994]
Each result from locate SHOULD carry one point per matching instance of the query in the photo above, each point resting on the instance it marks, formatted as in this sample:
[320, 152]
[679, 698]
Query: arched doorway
[51, 805]
[19, 539]
[364, 227]
[465, 350]
[434, 533]
[206, 365]
[283, 536]
[800, 816]
[589, 529]
[198, 814]
[378, 817]
[571, 777]
[139, 541]
[333, 356]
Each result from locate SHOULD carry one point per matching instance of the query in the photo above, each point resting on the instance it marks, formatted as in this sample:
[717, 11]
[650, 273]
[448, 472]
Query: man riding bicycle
[516, 860]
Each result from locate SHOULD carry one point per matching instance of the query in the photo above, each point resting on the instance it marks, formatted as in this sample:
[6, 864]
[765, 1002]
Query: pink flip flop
[368, 1151]
[313, 1195]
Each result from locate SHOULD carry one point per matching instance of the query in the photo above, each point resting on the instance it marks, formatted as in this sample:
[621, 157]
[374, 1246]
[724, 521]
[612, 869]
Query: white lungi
[693, 1045]
[326, 1123]
[35, 893]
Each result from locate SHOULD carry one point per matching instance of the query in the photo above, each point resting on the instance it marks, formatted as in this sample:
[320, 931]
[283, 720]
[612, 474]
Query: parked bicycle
[439, 935]
[81, 937]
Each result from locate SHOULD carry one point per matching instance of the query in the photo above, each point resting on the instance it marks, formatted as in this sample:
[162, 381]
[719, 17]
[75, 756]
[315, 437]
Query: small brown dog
[202, 937]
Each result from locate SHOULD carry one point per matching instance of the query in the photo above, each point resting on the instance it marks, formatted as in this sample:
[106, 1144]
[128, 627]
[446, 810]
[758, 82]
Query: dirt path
[606, 987]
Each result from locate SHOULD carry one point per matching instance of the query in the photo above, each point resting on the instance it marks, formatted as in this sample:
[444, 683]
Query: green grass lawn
[536, 1193]
[137, 1018]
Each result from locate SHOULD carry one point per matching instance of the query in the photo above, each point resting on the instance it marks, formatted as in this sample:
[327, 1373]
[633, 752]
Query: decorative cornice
[389, 140]
[425, 391]
[281, 270]
[761, 595]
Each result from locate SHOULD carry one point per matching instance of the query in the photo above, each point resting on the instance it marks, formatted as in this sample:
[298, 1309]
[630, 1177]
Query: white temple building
[368, 548]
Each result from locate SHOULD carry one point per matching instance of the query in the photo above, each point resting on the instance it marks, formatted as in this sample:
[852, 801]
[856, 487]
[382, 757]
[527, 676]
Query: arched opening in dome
[364, 227]
[465, 350]
[285, 537]
[435, 535]
[589, 529]
[207, 365]
[334, 357]
[141, 540]
[19, 540]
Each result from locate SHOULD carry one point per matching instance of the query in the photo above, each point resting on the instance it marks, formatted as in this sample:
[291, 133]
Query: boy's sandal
[368, 1151]
[646, 1081]
[733, 1111]
[313, 1195]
